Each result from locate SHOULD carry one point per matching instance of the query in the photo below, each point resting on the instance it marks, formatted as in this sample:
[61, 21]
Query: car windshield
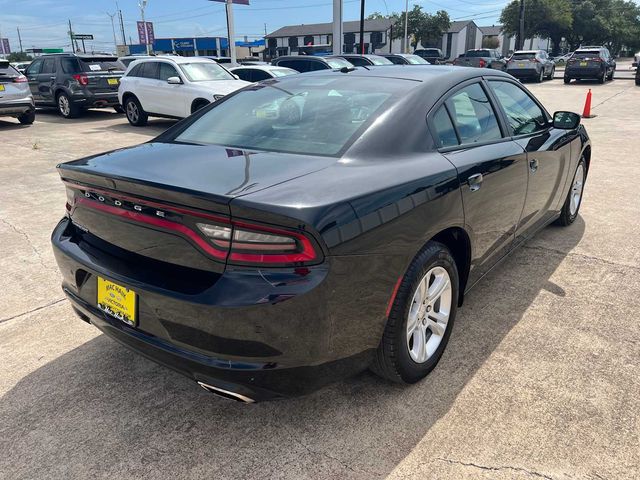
[282, 72]
[415, 60]
[524, 56]
[380, 61]
[338, 63]
[478, 53]
[204, 71]
[101, 64]
[312, 115]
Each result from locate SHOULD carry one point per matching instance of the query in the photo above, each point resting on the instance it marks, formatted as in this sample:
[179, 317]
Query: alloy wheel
[63, 105]
[576, 190]
[132, 112]
[429, 314]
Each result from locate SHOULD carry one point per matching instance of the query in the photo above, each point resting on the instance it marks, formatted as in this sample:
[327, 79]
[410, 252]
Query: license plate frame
[117, 301]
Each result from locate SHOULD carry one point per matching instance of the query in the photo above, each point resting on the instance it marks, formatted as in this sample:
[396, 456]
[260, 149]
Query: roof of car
[266, 68]
[176, 59]
[303, 57]
[408, 72]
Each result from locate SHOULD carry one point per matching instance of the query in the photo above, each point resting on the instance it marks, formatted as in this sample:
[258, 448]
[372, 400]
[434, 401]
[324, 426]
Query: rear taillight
[482, 63]
[20, 79]
[248, 243]
[81, 78]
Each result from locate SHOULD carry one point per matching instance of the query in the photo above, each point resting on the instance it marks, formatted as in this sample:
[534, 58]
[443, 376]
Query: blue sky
[43, 23]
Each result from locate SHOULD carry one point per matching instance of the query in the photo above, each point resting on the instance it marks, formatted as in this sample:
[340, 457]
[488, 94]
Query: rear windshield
[429, 52]
[205, 72]
[312, 115]
[415, 60]
[478, 53]
[524, 56]
[587, 54]
[101, 64]
[7, 72]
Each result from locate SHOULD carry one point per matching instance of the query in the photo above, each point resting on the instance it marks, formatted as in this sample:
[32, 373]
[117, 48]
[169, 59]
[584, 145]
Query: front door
[47, 80]
[32, 73]
[548, 152]
[492, 172]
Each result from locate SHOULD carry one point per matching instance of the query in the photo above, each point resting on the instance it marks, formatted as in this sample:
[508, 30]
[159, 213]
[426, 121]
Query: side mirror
[174, 81]
[566, 120]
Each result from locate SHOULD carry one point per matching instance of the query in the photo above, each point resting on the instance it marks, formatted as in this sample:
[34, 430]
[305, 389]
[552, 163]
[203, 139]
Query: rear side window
[259, 75]
[473, 116]
[299, 65]
[70, 65]
[244, 74]
[396, 60]
[444, 128]
[524, 115]
[358, 61]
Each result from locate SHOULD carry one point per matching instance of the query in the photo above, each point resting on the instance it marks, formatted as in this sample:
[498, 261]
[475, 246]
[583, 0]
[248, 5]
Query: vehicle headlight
[217, 97]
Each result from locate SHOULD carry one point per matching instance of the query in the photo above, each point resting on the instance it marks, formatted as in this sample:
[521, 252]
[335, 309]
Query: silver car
[531, 64]
[15, 96]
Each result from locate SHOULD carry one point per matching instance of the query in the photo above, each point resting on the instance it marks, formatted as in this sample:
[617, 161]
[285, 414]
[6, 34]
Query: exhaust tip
[221, 392]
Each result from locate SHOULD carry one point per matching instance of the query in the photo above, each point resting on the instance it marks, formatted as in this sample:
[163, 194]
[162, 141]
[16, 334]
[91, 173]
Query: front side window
[49, 65]
[473, 115]
[35, 68]
[167, 71]
[307, 115]
[524, 115]
[149, 70]
[205, 72]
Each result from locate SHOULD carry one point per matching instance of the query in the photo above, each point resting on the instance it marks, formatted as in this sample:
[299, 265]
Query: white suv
[173, 87]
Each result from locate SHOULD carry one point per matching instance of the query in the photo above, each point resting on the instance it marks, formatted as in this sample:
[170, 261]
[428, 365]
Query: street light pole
[337, 27]
[113, 28]
[230, 31]
[520, 37]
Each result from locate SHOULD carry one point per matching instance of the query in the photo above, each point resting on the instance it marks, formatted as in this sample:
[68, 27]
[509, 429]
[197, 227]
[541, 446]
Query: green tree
[376, 16]
[545, 18]
[19, 57]
[422, 27]
[490, 42]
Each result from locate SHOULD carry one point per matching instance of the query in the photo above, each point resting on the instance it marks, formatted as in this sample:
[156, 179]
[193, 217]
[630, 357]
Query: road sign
[82, 36]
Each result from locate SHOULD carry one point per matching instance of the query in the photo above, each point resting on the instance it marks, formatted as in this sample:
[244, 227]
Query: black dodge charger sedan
[309, 227]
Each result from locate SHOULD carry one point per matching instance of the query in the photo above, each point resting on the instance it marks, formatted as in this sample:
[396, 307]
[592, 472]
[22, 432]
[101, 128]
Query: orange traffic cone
[586, 113]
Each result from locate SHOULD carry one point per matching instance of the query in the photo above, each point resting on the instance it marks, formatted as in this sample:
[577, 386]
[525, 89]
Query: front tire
[421, 317]
[553, 72]
[27, 118]
[118, 109]
[603, 78]
[573, 201]
[135, 114]
[540, 77]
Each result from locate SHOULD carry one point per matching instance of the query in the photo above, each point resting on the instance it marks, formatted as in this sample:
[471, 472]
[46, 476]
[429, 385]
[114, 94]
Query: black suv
[590, 63]
[309, 63]
[433, 55]
[73, 83]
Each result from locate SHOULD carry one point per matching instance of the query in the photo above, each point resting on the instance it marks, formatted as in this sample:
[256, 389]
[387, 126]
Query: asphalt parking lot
[540, 380]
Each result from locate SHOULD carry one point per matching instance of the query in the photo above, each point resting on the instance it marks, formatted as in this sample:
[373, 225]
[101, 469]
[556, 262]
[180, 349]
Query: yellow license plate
[117, 301]
[583, 64]
[1, 88]
[521, 65]
[112, 81]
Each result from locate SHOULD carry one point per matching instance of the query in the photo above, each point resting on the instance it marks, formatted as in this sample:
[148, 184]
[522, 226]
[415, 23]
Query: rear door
[491, 169]
[548, 153]
[147, 87]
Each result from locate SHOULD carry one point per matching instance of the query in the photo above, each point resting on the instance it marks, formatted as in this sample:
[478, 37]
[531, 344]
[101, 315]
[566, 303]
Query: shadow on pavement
[101, 410]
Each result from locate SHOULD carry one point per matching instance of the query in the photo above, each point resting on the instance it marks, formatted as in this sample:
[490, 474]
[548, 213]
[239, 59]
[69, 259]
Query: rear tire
[573, 201]
[540, 77]
[135, 114]
[27, 118]
[603, 78]
[66, 107]
[421, 317]
[553, 72]
[567, 81]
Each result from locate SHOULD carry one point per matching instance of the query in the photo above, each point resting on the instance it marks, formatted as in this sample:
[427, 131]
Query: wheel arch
[198, 101]
[127, 95]
[586, 154]
[457, 240]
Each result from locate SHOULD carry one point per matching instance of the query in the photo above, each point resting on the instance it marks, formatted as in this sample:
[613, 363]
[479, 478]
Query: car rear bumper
[258, 333]
[95, 100]
[583, 72]
[16, 107]
[523, 72]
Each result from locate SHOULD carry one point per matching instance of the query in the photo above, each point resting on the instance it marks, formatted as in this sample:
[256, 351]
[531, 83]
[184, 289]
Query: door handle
[475, 182]
[533, 165]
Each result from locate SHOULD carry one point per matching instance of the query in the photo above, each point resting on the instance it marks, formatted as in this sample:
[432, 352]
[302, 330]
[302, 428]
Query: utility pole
[230, 32]
[124, 37]
[338, 37]
[520, 36]
[265, 29]
[19, 39]
[143, 5]
[405, 47]
[362, 27]
[73, 49]
[113, 29]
